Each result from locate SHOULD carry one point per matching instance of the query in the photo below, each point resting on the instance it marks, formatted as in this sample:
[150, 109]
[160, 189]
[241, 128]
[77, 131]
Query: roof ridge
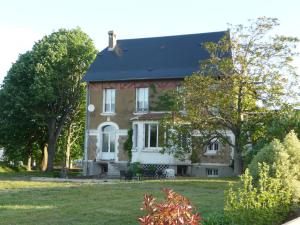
[179, 35]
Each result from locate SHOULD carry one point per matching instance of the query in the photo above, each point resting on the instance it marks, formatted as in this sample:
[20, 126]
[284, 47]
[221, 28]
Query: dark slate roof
[151, 58]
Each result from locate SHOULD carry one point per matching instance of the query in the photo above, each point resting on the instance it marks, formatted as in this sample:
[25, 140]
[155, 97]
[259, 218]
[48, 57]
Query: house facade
[123, 87]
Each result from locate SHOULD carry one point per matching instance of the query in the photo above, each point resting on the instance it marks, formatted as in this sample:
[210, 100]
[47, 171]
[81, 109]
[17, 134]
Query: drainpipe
[86, 133]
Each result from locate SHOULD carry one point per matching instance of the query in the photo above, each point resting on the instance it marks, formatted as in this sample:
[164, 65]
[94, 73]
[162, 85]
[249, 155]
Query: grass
[29, 202]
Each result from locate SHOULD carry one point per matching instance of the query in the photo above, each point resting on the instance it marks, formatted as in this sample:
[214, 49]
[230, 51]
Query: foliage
[165, 101]
[43, 91]
[176, 209]
[178, 138]
[61, 59]
[21, 133]
[216, 219]
[292, 146]
[248, 73]
[283, 157]
[135, 168]
[70, 142]
[128, 144]
[268, 203]
[277, 124]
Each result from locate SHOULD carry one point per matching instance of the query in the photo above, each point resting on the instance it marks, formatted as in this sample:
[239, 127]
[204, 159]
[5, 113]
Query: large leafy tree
[247, 75]
[20, 133]
[61, 59]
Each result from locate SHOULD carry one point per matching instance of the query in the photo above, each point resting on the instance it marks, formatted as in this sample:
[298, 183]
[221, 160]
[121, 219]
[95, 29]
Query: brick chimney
[112, 41]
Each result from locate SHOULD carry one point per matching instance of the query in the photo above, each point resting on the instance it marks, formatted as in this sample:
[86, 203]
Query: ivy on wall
[128, 145]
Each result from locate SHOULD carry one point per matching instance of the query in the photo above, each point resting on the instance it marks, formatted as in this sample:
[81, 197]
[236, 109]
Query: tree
[19, 132]
[245, 78]
[61, 59]
[70, 142]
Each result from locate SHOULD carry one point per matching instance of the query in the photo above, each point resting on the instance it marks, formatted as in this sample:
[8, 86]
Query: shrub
[268, 203]
[135, 168]
[176, 209]
[292, 145]
[283, 157]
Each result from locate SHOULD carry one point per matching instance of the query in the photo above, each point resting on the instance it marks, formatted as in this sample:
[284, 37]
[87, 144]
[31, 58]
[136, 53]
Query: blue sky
[24, 22]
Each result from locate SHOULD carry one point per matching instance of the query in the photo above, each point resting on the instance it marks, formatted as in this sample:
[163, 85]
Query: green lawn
[28, 202]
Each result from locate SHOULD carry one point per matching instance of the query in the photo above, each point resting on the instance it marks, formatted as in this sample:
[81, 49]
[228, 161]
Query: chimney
[112, 41]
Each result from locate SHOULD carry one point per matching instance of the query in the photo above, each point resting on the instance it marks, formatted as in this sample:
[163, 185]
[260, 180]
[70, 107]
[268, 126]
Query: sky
[22, 23]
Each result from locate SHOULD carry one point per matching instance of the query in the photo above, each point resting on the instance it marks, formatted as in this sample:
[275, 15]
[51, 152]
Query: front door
[108, 145]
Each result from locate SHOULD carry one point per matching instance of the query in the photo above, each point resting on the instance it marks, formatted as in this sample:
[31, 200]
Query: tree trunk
[29, 163]
[68, 148]
[51, 153]
[45, 157]
[238, 162]
[54, 129]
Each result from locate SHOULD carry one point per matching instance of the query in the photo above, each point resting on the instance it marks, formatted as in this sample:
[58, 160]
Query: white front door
[108, 142]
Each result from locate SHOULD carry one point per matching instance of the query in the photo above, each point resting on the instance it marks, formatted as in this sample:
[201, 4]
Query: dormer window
[142, 100]
[109, 100]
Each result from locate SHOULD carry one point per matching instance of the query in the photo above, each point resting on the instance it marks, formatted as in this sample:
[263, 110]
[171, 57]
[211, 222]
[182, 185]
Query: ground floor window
[181, 170]
[108, 139]
[135, 136]
[212, 172]
[151, 135]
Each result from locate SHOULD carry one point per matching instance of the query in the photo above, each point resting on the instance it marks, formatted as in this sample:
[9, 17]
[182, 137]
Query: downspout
[86, 134]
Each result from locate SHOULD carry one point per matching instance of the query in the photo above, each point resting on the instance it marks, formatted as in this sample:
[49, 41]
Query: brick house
[122, 85]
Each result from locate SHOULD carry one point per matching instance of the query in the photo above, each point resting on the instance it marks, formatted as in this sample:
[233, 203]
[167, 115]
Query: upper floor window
[213, 147]
[109, 100]
[142, 100]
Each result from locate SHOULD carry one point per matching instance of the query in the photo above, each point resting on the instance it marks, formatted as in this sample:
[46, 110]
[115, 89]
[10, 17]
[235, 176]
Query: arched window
[108, 138]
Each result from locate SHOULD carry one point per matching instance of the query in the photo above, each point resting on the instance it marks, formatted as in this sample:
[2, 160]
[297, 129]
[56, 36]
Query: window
[135, 136]
[151, 136]
[109, 100]
[108, 139]
[181, 100]
[142, 100]
[213, 147]
[210, 172]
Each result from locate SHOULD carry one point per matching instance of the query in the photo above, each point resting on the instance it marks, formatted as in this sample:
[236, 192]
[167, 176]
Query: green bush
[269, 154]
[292, 146]
[128, 145]
[268, 203]
[135, 168]
[281, 156]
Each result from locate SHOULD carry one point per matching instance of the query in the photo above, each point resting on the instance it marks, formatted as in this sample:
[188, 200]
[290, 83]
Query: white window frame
[179, 89]
[135, 137]
[212, 172]
[108, 141]
[112, 100]
[213, 150]
[145, 99]
[149, 134]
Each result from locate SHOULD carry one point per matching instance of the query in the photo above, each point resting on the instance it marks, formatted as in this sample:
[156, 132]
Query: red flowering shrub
[175, 210]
